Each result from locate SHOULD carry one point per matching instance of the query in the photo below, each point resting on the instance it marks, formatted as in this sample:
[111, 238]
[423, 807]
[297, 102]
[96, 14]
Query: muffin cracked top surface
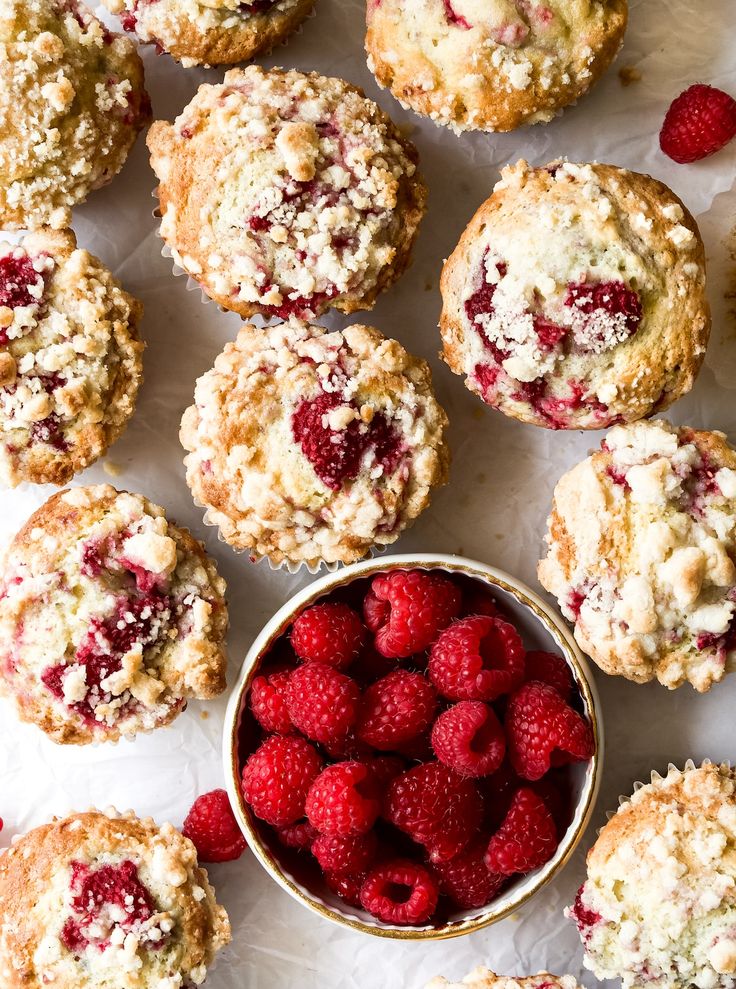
[72, 102]
[641, 542]
[308, 445]
[106, 901]
[110, 617]
[286, 193]
[211, 32]
[575, 298]
[484, 978]
[659, 905]
[492, 65]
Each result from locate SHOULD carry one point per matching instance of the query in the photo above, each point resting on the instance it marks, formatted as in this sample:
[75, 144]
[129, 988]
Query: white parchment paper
[494, 508]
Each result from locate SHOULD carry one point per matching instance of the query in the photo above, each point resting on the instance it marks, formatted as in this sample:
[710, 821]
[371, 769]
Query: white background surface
[494, 508]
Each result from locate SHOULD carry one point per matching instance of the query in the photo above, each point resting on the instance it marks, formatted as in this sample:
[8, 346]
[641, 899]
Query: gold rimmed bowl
[540, 628]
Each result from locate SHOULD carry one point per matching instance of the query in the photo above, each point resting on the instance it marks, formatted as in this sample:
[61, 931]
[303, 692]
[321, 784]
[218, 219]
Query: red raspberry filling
[17, 276]
[106, 898]
[336, 455]
[583, 917]
[453, 17]
[477, 658]
[614, 298]
[400, 892]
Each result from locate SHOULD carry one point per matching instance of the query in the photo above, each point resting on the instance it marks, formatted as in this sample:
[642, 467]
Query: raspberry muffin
[309, 447]
[492, 65]
[659, 905]
[284, 193]
[211, 32]
[110, 617]
[576, 297]
[72, 102]
[483, 978]
[70, 358]
[98, 900]
[642, 539]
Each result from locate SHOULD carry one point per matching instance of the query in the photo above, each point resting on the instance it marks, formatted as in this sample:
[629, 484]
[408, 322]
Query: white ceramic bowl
[540, 627]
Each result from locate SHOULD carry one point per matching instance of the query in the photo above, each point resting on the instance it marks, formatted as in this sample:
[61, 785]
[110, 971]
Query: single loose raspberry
[477, 659]
[466, 878]
[469, 738]
[298, 836]
[400, 892]
[396, 709]
[322, 703]
[540, 726]
[277, 778]
[268, 702]
[701, 121]
[211, 826]
[336, 853]
[526, 839]
[549, 668]
[346, 885]
[436, 807]
[344, 799]
[330, 633]
[407, 609]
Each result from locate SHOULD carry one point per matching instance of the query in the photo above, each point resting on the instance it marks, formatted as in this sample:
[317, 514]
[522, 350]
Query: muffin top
[576, 297]
[659, 905]
[484, 978]
[308, 445]
[70, 358]
[110, 617]
[284, 193]
[71, 104]
[211, 32]
[492, 65]
[106, 901]
[641, 547]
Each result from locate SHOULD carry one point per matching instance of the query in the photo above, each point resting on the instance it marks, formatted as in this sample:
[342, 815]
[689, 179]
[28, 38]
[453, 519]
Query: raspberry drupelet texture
[285, 194]
[700, 122]
[543, 730]
[322, 703]
[527, 837]
[477, 658]
[211, 826]
[344, 800]
[396, 709]
[483, 978]
[331, 633]
[466, 878]
[400, 892]
[268, 701]
[549, 668]
[351, 854]
[469, 738]
[407, 609]
[602, 319]
[277, 777]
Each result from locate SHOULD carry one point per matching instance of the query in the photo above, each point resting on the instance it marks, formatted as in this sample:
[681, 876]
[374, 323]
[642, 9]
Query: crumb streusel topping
[483, 978]
[659, 905]
[307, 445]
[71, 104]
[70, 358]
[110, 617]
[642, 539]
[106, 901]
[598, 319]
[284, 193]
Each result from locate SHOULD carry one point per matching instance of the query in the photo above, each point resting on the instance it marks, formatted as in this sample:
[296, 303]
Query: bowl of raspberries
[414, 746]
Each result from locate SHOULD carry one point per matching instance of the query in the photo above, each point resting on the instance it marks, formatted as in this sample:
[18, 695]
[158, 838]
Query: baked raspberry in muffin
[70, 358]
[641, 542]
[492, 65]
[72, 102]
[110, 617]
[211, 32]
[483, 978]
[659, 903]
[102, 900]
[307, 446]
[284, 193]
[575, 298]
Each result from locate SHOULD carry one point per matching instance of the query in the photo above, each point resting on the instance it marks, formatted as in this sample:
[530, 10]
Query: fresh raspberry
[478, 601]
[347, 749]
[330, 633]
[549, 668]
[386, 768]
[322, 703]
[540, 727]
[615, 298]
[344, 799]
[466, 879]
[371, 665]
[498, 791]
[336, 853]
[701, 121]
[554, 789]
[418, 749]
[298, 836]
[396, 709]
[268, 702]
[526, 839]
[346, 885]
[436, 807]
[477, 659]
[277, 778]
[407, 609]
[469, 738]
[211, 826]
[17, 277]
[400, 892]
